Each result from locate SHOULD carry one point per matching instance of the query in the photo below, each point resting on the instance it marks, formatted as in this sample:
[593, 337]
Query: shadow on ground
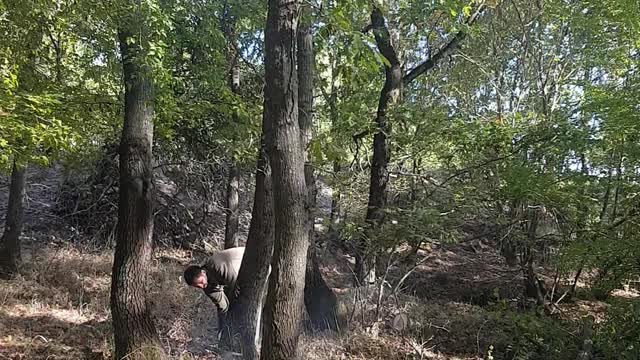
[50, 337]
[471, 275]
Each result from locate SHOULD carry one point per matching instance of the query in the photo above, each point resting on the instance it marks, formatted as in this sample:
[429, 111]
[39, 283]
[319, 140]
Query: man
[217, 278]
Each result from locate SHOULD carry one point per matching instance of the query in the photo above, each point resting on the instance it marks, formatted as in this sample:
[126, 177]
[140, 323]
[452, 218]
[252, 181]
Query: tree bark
[320, 301]
[244, 316]
[534, 287]
[335, 217]
[134, 331]
[586, 350]
[508, 247]
[10, 247]
[283, 311]
[232, 208]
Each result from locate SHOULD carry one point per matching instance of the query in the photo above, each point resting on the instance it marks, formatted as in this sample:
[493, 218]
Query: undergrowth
[58, 308]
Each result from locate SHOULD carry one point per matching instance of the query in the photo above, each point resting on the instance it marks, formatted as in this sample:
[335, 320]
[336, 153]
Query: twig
[406, 275]
[96, 202]
[478, 335]
[421, 349]
[381, 288]
[440, 327]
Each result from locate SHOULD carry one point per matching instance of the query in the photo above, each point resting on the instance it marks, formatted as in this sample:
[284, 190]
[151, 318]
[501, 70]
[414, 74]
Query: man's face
[200, 281]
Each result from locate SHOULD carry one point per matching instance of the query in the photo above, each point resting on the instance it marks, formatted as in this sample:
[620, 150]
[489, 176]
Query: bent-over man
[217, 278]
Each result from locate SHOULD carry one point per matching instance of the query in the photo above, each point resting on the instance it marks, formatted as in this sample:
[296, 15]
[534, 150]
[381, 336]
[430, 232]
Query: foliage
[618, 337]
[535, 338]
[31, 133]
[49, 90]
[500, 331]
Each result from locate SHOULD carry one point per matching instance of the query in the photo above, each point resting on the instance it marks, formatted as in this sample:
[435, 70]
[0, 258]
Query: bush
[509, 334]
[619, 336]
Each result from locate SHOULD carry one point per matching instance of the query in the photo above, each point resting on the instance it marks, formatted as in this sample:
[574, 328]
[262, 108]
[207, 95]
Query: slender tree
[283, 311]
[244, 316]
[232, 207]
[232, 203]
[10, 247]
[395, 81]
[134, 331]
[320, 301]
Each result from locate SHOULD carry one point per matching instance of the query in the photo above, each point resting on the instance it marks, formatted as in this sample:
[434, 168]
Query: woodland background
[483, 157]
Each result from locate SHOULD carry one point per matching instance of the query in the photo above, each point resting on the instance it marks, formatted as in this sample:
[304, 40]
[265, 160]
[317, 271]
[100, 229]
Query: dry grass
[58, 308]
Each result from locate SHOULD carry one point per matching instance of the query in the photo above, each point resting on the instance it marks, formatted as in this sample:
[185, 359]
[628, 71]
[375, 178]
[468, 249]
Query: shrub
[619, 336]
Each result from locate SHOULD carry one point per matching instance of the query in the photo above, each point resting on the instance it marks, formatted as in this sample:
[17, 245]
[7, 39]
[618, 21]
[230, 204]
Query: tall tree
[283, 311]
[10, 248]
[32, 82]
[320, 301]
[232, 203]
[395, 81]
[134, 331]
[244, 316]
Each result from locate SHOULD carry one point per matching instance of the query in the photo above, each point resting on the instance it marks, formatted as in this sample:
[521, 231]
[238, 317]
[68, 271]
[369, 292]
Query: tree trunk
[534, 287]
[364, 268]
[134, 331]
[508, 247]
[390, 93]
[243, 332]
[586, 349]
[232, 208]
[10, 248]
[283, 311]
[509, 251]
[618, 191]
[320, 301]
[335, 217]
[232, 204]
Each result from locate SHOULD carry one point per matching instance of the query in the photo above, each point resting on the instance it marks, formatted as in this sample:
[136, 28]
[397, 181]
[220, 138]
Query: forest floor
[458, 302]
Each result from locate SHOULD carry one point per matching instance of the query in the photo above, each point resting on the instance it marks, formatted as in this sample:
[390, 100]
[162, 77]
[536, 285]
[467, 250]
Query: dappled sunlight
[626, 293]
[49, 314]
[51, 333]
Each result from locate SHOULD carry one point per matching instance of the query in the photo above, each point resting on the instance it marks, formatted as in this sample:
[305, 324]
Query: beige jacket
[222, 273]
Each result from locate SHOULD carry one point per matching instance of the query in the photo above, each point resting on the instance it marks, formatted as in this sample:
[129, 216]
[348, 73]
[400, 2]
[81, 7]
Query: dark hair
[191, 273]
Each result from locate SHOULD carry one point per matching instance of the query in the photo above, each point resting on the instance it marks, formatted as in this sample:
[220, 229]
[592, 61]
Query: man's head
[196, 276]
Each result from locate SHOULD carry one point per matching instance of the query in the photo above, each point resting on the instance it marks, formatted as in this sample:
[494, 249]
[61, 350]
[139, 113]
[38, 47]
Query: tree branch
[383, 38]
[443, 51]
[484, 163]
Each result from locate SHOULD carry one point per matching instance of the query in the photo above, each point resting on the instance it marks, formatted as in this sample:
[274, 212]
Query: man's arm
[219, 299]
